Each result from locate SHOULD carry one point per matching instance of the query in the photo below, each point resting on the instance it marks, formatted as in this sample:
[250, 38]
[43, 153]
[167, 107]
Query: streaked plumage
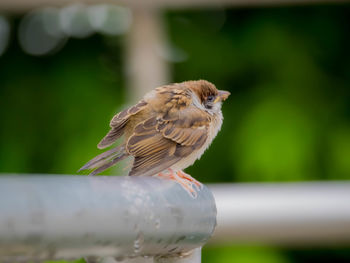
[169, 128]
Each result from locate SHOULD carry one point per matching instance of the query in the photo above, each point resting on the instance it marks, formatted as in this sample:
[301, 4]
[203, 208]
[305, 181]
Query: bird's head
[207, 96]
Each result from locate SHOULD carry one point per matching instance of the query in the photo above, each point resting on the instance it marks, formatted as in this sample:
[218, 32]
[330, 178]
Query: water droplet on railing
[138, 243]
[151, 216]
[157, 223]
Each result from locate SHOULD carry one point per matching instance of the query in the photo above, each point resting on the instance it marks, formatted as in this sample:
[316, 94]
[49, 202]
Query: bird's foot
[188, 177]
[185, 180]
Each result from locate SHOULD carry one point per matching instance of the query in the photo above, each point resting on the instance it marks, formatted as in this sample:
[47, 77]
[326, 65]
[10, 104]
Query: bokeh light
[45, 31]
[110, 19]
[74, 21]
[39, 32]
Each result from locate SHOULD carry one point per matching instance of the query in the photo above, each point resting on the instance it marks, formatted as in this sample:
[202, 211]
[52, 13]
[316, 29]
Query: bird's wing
[118, 124]
[166, 138]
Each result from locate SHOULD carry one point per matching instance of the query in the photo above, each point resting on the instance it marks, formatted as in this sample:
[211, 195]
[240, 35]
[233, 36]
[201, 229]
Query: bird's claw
[185, 180]
[189, 178]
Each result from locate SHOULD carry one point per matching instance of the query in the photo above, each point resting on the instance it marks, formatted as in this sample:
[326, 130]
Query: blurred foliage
[56, 108]
[288, 118]
[251, 254]
[266, 254]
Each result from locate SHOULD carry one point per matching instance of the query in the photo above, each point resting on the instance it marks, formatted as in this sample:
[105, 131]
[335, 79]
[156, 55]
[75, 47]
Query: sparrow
[165, 132]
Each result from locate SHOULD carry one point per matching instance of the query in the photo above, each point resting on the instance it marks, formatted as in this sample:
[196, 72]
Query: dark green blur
[287, 119]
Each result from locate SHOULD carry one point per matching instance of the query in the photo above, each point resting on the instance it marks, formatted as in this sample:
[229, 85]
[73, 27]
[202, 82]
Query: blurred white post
[145, 67]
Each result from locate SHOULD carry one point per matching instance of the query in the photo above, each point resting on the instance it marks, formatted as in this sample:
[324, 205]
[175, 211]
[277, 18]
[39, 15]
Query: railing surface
[294, 214]
[55, 217]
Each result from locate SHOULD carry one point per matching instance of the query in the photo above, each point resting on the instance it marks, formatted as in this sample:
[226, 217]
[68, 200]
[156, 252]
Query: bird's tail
[105, 160]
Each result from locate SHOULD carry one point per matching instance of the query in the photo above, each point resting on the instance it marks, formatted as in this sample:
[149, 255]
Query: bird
[165, 132]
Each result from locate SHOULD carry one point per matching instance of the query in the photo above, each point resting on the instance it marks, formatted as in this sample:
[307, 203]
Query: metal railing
[65, 217]
[145, 219]
[294, 214]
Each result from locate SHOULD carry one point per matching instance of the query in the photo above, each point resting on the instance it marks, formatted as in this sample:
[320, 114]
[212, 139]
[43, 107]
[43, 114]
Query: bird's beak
[223, 95]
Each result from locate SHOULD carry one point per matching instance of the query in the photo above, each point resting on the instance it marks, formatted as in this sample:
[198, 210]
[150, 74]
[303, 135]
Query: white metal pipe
[58, 217]
[295, 214]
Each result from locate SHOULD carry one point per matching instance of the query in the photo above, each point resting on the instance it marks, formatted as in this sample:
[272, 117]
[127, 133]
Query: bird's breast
[213, 130]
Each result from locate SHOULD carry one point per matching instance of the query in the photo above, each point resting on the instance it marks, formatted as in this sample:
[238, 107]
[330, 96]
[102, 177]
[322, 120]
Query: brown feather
[118, 124]
[105, 158]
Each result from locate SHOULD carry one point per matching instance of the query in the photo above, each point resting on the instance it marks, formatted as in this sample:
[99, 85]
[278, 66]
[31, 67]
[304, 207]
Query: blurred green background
[288, 118]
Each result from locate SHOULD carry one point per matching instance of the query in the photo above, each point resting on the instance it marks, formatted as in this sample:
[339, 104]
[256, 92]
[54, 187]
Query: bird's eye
[210, 98]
